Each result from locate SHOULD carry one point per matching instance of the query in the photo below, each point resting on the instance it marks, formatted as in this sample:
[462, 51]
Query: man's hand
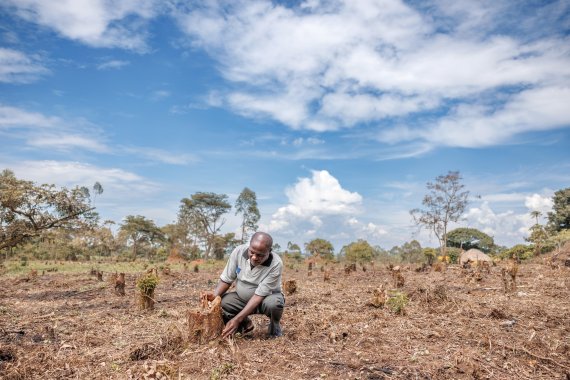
[207, 296]
[231, 327]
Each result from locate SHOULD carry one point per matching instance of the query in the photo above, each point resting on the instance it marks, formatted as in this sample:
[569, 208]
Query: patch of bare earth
[458, 324]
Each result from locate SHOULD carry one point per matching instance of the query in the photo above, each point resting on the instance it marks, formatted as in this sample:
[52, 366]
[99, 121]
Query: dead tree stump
[397, 277]
[379, 297]
[99, 275]
[120, 284]
[327, 275]
[290, 287]
[206, 323]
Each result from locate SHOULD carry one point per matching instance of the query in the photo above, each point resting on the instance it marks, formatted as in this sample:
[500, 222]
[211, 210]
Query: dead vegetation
[205, 323]
[437, 326]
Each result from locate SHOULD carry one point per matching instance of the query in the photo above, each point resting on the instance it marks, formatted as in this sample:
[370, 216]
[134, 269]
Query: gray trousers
[271, 306]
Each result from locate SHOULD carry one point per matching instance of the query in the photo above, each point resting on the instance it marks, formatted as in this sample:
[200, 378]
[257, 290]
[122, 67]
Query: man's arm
[233, 323]
[220, 290]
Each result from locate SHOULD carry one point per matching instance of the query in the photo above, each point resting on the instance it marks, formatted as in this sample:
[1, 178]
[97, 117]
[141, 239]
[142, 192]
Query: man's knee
[273, 304]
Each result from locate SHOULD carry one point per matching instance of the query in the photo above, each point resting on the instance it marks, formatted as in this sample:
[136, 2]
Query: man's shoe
[246, 326]
[277, 332]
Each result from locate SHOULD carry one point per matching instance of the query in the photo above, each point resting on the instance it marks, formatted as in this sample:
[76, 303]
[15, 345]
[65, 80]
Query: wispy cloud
[96, 23]
[325, 66]
[113, 65]
[18, 67]
[160, 155]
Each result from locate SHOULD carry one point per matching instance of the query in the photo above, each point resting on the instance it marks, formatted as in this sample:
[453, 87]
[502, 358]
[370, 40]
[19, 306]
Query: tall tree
[559, 217]
[535, 214]
[27, 210]
[445, 203]
[204, 211]
[467, 238]
[138, 230]
[246, 205]
[320, 248]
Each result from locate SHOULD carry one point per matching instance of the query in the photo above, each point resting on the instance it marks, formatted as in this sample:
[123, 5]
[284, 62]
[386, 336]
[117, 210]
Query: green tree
[467, 238]
[27, 210]
[559, 217]
[360, 251]
[538, 236]
[293, 247]
[320, 248]
[203, 214]
[224, 245]
[138, 230]
[558, 239]
[411, 252]
[430, 254]
[246, 205]
[445, 203]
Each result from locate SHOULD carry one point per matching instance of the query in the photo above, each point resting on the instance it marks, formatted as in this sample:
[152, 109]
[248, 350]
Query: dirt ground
[72, 326]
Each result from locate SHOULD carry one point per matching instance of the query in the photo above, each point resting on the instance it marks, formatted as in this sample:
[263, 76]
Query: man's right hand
[207, 296]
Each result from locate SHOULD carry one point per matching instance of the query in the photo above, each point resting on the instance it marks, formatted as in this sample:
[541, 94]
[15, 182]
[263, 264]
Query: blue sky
[336, 113]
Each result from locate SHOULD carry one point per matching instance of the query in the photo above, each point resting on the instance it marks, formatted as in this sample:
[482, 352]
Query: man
[257, 272]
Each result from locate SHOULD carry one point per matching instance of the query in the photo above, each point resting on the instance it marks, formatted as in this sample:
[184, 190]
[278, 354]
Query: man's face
[258, 253]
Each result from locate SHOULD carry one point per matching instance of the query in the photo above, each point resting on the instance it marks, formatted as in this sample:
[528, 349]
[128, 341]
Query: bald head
[262, 239]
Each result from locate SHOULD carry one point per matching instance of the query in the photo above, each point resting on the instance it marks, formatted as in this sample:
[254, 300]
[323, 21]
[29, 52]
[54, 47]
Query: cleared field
[455, 325]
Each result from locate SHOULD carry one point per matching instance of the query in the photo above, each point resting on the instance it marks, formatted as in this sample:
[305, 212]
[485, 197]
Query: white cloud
[113, 64]
[315, 200]
[97, 23]
[325, 65]
[17, 67]
[537, 202]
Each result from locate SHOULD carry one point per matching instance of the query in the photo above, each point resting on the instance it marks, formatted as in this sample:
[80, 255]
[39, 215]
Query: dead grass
[69, 325]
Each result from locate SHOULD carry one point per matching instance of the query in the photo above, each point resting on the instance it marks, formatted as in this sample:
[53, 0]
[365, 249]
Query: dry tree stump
[379, 297]
[206, 323]
[120, 284]
[99, 275]
[397, 277]
[147, 284]
[290, 287]
[327, 275]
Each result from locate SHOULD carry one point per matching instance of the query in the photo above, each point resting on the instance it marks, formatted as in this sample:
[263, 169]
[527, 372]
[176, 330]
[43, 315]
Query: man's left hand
[231, 328]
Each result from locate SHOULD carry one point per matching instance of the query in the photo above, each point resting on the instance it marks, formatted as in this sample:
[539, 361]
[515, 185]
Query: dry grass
[60, 326]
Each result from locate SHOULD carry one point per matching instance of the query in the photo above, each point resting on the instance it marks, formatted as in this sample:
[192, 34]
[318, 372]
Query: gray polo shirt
[262, 280]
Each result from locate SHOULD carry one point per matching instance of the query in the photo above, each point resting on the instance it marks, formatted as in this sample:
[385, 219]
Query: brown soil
[455, 326]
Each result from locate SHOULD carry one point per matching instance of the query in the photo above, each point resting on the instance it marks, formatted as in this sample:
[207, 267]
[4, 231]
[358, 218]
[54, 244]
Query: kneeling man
[257, 272]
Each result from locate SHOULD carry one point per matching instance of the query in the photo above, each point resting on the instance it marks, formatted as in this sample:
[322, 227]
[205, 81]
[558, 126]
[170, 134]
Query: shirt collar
[265, 264]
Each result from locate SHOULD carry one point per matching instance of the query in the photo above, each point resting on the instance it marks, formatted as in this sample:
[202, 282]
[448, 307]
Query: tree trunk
[206, 323]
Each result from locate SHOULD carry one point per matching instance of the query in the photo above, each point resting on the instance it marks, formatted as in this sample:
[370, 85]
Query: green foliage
[201, 216]
[141, 233]
[147, 283]
[320, 248]
[397, 302]
[411, 252]
[220, 372]
[558, 239]
[445, 202]
[246, 205]
[518, 252]
[559, 217]
[539, 237]
[430, 254]
[453, 255]
[27, 210]
[359, 251]
[224, 245]
[468, 238]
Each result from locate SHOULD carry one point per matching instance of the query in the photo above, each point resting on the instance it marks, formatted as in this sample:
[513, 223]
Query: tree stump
[327, 275]
[397, 277]
[99, 275]
[120, 284]
[290, 287]
[206, 323]
[379, 297]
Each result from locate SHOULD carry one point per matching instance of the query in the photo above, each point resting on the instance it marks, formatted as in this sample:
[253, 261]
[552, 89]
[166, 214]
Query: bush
[519, 252]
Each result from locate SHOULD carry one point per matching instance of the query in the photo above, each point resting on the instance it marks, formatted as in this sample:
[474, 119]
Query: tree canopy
[202, 213]
[320, 248]
[246, 205]
[27, 210]
[559, 217]
[359, 250]
[139, 230]
[468, 238]
[445, 202]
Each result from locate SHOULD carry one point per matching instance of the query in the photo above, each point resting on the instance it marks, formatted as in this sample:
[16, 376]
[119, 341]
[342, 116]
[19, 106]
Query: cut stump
[206, 323]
